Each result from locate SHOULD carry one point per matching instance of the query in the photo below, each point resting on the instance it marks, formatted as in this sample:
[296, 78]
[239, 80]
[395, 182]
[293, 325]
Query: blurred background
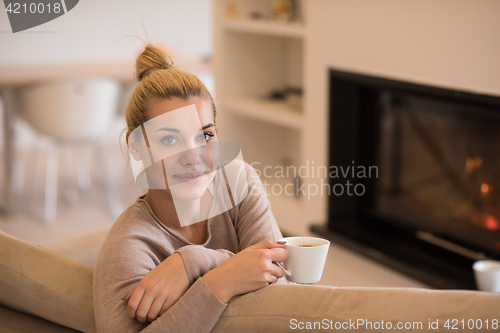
[267, 62]
[91, 48]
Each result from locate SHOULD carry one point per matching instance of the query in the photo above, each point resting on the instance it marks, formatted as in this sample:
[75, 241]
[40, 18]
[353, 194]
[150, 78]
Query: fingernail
[281, 242]
[124, 297]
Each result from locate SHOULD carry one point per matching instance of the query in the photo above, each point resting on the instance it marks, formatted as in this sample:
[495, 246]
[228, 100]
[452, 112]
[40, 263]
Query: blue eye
[205, 136]
[169, 140]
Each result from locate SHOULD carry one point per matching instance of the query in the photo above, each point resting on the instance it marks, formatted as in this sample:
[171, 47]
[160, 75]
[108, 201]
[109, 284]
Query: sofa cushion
[37, 281]
[15, 322]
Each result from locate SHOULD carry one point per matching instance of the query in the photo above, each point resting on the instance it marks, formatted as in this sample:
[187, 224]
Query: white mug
[487, 273]
[305, 264]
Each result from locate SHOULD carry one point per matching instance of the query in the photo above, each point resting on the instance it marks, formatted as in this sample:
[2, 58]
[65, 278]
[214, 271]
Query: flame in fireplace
[485, 188]
[472, 163]
[486, 221]
[492, 223]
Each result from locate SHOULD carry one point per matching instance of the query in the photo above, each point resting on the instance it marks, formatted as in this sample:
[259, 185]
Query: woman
[167, 264]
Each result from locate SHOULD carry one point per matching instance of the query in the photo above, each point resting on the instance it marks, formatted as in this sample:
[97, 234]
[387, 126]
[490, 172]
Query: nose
[190, 157]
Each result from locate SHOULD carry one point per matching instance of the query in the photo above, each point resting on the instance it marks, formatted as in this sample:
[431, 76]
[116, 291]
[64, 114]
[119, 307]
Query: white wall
[453, 43]
[96, 31]
[448, 43]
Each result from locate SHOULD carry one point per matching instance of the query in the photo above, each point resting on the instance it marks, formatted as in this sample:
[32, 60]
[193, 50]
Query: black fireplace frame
[394, 245]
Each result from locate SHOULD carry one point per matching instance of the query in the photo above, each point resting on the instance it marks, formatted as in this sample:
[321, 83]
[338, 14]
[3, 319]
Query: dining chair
[72, 112]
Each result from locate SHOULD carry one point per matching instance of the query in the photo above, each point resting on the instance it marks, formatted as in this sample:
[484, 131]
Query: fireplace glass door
[439, 168]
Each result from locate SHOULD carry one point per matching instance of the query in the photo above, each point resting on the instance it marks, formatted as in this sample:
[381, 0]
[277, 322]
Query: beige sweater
[138, 242]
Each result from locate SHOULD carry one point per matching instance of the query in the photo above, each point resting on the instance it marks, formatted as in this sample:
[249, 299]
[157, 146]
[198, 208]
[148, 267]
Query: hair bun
[151, 59]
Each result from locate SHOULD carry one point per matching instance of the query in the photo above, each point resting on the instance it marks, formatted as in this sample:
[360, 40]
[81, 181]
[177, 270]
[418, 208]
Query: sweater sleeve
[122, 263]
[198, 259]
[198, 310]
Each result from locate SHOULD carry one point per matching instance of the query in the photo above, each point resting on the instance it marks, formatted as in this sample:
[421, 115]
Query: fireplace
[433, 207]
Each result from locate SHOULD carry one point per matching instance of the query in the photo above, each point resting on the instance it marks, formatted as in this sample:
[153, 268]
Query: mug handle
[287, 273]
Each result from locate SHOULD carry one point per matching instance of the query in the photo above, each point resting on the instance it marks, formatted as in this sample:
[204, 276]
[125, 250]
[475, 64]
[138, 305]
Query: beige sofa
[41, 291]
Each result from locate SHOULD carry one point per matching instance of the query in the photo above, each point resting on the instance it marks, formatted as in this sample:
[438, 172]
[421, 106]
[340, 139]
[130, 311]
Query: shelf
[254, 58]
[283, 29]
[275, 112]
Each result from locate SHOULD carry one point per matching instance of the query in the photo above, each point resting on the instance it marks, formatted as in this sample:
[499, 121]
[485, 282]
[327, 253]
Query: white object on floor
[487, 274]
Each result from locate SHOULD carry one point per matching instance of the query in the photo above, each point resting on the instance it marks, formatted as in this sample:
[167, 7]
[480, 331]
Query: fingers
[279, 255]
[267, 244]
[277, 271]
[145, 306]
[272, 278]
[164, 308]
[157, 307]
[134, 301]
[172, 298]
[169, 302]
[127, 297]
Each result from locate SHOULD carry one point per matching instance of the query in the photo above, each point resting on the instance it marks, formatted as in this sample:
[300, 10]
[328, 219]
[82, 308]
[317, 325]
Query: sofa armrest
[289, 307]
[37, 281]
[84, 249]
[12, 321]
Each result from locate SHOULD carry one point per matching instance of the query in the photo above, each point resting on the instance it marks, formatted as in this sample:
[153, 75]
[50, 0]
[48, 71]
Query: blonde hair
[158, 79]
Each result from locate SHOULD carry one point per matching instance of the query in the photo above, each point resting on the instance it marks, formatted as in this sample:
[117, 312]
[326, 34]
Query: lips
[190, 177]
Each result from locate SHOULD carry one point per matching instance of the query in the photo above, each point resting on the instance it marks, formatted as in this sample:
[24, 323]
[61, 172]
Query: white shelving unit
[253, 58]
[270, 28]
[268, 111]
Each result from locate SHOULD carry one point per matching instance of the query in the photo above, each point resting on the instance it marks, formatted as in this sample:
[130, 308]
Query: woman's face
[181, 136]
